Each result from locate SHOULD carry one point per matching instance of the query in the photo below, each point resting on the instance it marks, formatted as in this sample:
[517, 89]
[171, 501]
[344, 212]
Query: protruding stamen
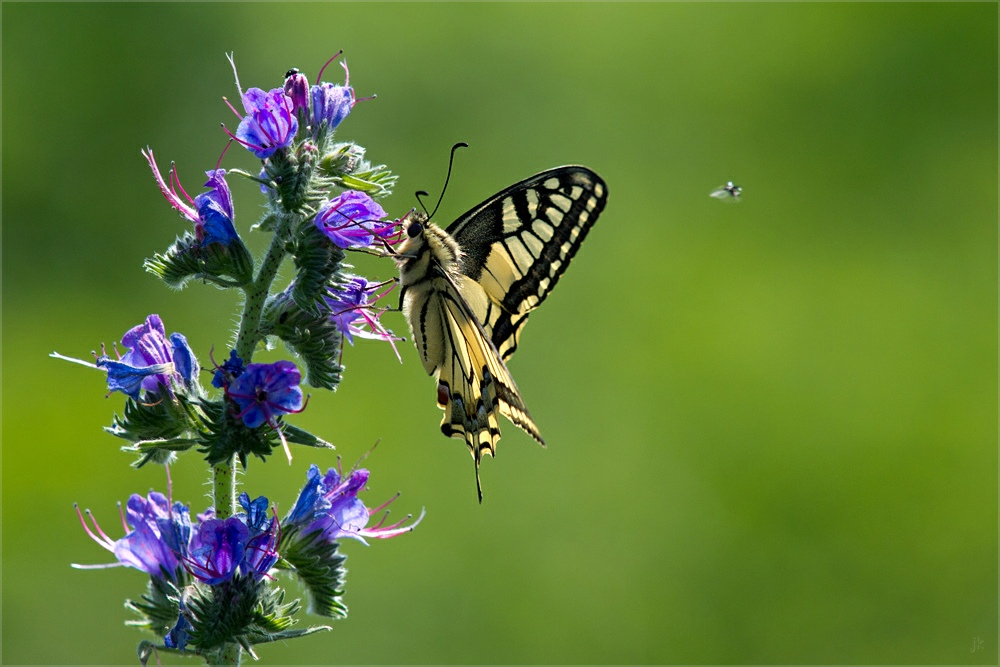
[219, 163]
[245, 143]
[177, 179]
[321, 69]
[238, 114]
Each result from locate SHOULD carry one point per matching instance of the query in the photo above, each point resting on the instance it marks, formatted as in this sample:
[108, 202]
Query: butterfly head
[425, 244]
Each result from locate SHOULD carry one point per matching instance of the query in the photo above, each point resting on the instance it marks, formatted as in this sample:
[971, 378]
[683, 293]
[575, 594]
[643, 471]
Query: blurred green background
[772, 426]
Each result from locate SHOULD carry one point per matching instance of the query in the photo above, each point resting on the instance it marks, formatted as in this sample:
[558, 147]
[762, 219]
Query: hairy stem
[224, 489]
[257, 292]
[228, 655]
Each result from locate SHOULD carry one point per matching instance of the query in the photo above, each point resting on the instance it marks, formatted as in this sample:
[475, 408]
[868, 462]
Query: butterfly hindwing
[519, 242]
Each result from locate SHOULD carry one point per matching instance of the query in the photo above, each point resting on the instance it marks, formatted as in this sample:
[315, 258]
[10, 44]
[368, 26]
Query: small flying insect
[729, 192]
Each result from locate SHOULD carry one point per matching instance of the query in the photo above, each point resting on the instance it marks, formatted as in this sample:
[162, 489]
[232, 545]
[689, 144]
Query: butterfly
[467, 291]
[729, 192]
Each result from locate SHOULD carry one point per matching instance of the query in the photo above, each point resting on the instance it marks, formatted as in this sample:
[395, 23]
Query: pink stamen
[347, 73]
[98, 528]
[219, 163]
[121, 514]
[177, 179]
[245, 143]
[238, 114]
[109, 547]
[168, 193]
[379, 524]
[364, 99]
[382, 507]
[321, 69]
[400, 523]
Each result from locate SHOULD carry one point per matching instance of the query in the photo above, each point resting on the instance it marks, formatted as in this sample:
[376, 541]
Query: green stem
[224, 488]
[257, 292]
[228, 655]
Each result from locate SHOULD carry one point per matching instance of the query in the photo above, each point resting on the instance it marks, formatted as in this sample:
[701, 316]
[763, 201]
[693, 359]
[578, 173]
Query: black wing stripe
[538, 225]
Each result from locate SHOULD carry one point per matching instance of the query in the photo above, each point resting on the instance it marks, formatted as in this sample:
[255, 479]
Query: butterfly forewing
[519, 242]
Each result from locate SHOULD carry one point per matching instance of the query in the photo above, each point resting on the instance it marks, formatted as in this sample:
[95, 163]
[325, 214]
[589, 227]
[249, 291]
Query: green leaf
[302, 437]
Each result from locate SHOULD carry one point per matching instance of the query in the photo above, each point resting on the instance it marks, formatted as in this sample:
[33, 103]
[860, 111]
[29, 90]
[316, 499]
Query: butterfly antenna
[423, 193]
[451, 161]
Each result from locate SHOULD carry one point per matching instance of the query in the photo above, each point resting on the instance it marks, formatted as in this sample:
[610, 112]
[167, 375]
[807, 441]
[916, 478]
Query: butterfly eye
[414, 229]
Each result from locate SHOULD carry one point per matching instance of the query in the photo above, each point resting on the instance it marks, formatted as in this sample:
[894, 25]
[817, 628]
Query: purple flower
[351, 220]
[151, 360]
[352, 308]
[265, 392]
[163, 537]
[297, 89]
[330, 508]
[211, 212]
[143, 547]
[269, 123]
[221, 545]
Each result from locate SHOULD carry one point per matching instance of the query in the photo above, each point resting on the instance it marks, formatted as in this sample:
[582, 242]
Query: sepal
[313, 337]
[159, 607]
[317, 262]
[156, 429]
[346, 167]
[187, 259]
[290, 173]
[227, 435]
[243, 611]
[320, 567]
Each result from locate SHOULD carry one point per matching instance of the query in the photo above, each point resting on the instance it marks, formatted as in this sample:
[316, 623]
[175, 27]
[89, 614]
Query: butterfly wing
[474, 385]
[518, 243]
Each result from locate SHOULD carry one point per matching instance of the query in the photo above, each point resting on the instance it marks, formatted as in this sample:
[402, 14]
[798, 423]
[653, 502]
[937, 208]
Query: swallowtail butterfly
[467, 292]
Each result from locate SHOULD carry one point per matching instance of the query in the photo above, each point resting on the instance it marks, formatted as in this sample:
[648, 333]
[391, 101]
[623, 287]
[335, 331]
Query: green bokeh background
[772, 426]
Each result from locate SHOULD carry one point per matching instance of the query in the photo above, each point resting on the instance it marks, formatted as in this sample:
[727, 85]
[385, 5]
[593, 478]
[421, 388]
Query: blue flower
[311, 504]
[331, 103]
[219, 551]
[178, 635]
[265, 392]
[161, 537]
[215, 211]
[256, 512]
[269, 123]
[329, 509]
[143, 547]
[211, 212]
[228, 371]
[351, 220]
[151, 361]
[352, 308]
